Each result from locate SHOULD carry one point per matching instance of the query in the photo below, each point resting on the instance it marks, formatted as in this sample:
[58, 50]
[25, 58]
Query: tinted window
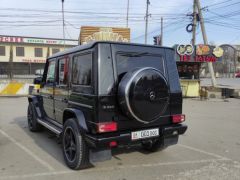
[19, 51]
[130, 61]
[51, 72]
[38, 52]
[2, 50]
[62, 71]
[82, 70]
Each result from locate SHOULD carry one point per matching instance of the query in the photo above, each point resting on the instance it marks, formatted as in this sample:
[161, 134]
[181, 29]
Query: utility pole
[146, 25]
[10, 67]
[161, 40]
[63, 24]
[210, 66]
[194, 23]
[127, 11]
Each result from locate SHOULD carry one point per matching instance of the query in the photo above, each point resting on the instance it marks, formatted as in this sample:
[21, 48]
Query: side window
[51, 72]
[82, 70]
[63, 71]
[2, 51]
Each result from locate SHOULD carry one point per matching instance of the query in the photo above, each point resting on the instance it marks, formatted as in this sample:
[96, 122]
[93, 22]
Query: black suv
[103, 95]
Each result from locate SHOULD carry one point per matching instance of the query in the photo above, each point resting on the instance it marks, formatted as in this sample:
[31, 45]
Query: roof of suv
[91, 44]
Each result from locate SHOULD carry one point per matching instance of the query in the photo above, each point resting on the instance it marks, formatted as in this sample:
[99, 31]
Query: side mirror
[37, 80]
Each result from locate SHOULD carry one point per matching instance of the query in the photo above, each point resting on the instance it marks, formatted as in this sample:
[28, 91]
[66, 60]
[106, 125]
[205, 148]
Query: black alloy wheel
[33, 125]
[69, 141]
[30, 117]
[75, 149]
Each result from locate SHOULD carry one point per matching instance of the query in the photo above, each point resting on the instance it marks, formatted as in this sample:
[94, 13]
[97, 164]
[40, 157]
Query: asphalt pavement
[209, 150]
[230, 83]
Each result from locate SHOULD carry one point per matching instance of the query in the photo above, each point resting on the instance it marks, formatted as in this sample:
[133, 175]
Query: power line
[227, 5]
[85, 12]
[216, 4]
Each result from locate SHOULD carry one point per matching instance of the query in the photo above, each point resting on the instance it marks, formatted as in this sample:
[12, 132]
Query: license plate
[145, 134]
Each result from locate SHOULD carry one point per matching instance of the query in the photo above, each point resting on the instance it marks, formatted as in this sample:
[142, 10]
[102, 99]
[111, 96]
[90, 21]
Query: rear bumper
[124, 138]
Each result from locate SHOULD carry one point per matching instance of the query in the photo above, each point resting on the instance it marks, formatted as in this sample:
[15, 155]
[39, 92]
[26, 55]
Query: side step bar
[50, 126]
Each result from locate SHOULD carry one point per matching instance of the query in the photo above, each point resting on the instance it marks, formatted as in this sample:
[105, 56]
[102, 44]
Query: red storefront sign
[197, 58]
[11, 39]
[199, 53]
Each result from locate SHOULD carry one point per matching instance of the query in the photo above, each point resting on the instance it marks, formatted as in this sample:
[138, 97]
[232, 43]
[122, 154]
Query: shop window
[188, 70]
[55, 50]
[38, 52]
[19, 51]
[2, 51]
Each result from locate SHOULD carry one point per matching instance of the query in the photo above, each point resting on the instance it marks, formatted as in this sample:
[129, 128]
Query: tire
[75, 149]
[143, 94]
[153, 145]
[33, 125]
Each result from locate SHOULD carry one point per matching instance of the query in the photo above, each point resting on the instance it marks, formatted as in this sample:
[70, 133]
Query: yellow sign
[90, 33]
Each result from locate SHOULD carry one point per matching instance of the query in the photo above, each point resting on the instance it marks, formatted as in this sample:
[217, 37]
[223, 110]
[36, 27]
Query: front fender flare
[35, 102]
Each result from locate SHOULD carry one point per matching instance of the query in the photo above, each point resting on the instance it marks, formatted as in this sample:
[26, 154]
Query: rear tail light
[178, 118]
[106, 127]
[113, 144]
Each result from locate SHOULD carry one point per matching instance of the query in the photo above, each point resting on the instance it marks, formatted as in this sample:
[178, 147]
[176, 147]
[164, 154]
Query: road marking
[203, 152]
[29, 152]
[55, 173]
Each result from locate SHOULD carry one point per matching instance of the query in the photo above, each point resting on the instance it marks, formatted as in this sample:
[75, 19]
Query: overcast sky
[42, 18]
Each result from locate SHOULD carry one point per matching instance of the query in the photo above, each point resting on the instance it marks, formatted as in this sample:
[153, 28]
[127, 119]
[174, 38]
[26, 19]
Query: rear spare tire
[143, 94]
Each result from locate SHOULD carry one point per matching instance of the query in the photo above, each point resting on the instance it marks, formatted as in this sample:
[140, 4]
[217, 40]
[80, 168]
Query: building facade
[27, 55]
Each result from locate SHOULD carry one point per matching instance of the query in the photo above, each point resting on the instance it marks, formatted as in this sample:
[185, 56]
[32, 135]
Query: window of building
[82, 70]
[19, 51]
[38, 52]
[2, 51]
[55, 50]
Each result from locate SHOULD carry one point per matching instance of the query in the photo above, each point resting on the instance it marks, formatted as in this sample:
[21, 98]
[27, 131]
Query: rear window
[129, 61]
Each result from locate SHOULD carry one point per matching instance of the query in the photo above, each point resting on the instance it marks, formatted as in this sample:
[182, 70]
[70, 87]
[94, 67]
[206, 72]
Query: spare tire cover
[143, 94]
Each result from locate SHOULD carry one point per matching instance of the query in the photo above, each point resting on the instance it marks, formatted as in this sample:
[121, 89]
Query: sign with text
[29, 60]
[91, 33]
[12, 39]
[199, 53]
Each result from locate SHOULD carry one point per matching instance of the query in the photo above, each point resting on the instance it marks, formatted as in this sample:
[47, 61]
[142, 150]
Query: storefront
[26, 55]
[189, 59]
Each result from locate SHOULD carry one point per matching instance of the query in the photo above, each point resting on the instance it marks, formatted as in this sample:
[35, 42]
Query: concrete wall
[15, 87]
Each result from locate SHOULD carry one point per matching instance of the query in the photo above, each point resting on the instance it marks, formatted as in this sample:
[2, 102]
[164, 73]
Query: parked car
[105, 95]
[237, 75]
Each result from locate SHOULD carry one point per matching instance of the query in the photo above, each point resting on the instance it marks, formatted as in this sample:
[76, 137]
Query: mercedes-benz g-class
[104, 95]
